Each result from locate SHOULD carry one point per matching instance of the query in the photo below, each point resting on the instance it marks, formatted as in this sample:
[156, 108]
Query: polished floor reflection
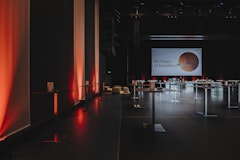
[110, 127]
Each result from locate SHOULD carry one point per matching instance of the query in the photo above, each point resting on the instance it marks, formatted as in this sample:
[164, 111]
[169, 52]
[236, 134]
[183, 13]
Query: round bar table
[157, 127]
[229, 96]
[176, 85]
[205, 113]
[195, 85]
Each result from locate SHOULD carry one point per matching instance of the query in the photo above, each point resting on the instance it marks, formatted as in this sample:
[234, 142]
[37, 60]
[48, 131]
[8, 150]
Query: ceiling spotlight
[137, 14]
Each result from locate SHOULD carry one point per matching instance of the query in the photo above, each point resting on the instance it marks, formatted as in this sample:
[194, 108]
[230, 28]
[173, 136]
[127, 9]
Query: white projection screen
[176, 62]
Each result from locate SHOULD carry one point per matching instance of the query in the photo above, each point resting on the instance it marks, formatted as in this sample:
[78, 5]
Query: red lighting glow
[55, 103]
[93, 89]
[55, 138]
[143, 77]
[79, 50]
[184, 78]
[164, 78]
[154, 78]
[96, 75]
[80, 116]
[14, 66]
[3, 138]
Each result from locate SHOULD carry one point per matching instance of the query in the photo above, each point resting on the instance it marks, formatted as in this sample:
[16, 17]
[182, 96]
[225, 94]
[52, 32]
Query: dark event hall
[119, 79]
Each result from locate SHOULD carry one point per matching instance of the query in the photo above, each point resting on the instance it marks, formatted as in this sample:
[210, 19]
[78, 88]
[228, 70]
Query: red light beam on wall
[79, 50]
[96, 77]
[14, 66]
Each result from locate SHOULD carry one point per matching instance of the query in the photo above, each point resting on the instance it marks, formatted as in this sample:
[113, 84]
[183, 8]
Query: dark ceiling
[176, 7]
[176, 16]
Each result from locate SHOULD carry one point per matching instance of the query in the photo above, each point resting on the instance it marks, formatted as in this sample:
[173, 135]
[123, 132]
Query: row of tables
[205, 84]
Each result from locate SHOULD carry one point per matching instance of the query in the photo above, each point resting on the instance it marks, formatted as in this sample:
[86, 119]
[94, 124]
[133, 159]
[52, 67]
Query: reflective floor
[113, 127]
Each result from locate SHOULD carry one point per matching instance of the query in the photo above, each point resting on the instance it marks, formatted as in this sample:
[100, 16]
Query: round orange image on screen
[188, 61]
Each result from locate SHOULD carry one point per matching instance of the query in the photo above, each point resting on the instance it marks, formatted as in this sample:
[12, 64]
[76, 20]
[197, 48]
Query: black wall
[89, 45]
[51, 56]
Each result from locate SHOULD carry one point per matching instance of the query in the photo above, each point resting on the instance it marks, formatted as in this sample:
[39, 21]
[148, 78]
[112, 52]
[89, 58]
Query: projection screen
[176, 62]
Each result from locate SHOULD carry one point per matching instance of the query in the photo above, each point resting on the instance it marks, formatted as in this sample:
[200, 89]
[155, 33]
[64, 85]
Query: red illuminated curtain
[97, 83]
[79, 50]
[14, 66]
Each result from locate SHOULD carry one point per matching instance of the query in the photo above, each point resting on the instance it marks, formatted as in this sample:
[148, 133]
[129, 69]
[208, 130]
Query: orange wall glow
[55, 103]
[14, 66]
[93, 85]
[79, 50]
[96, 78]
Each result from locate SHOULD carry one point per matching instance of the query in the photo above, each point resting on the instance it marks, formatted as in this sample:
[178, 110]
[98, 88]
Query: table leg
[196, 92]
[229, 98]
[134, 92]
[136, 104]
[205, 113]
[175, 96]
[156, 127]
